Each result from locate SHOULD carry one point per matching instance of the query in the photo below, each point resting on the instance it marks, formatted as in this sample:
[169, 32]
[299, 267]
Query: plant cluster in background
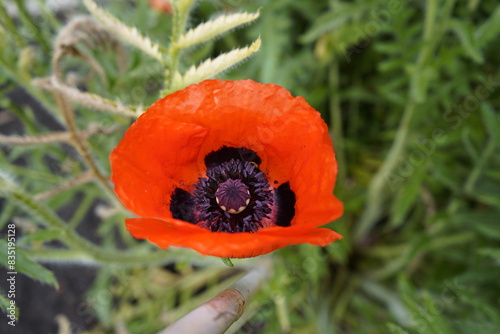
[411, 93]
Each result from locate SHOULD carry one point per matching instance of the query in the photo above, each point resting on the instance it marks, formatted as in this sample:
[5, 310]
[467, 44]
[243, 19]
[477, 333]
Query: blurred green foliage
[410, 90]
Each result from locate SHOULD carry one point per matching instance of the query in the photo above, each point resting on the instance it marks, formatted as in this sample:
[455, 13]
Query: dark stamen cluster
[215, 218]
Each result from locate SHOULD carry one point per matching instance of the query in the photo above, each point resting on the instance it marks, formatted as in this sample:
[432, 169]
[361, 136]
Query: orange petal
[156, 155]
[161, 5]
[173, 232]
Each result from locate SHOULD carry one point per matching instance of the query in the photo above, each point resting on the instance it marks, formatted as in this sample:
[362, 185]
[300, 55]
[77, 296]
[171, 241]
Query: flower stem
[24, 81]
[227, 261]
[180, 16]
[376, 192]
[480, 165]
[376, 195]
[336, 120]
[81, 145]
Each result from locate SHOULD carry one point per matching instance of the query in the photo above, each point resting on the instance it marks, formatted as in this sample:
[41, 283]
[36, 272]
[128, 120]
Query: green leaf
[442, 175]
[390, 299]
[334, 19]
[212, 67]
[493, 253]
[488, 310]
[464, 31]
[26, 266]
[227, 261]
[407, 196]
[489, 30]
[436, 319]
[213, 28]
[8, 29]
[42, 235]
[484, 222]
[395, 329]
[129, 34]
[490, 119]
[468, 326]
[4, 303]
[426, 317]
[420, 80]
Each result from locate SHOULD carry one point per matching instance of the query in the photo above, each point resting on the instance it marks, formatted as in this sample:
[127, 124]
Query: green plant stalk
[25, 82]
[376, 195]
[336, 120]
[376, 191]
[81, 145]
[480, 165]
[7, 212]
[10, 27]
[28, 21]
[180, 16]
[61, 256]
[411, 257]
[227, 261]
[340, 281]
[87, 251]
[283, 314]
[75, 256]
[83, 207]
[342, 303]
[48, 15]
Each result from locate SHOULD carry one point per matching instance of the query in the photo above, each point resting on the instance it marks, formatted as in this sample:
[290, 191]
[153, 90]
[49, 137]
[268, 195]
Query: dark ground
[39, 304]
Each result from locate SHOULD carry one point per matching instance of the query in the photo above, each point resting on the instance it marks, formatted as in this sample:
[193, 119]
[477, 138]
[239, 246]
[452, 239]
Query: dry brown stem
[219, 313]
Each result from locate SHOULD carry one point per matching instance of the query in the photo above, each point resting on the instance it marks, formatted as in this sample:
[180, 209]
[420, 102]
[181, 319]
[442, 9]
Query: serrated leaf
[490, 121]
[334, 19]
[212, 67]
[471, 326]
[129, 34]
[390, 64]
[426, 317]
[86, 99]
[489, 29]
[467, 40]
[27, 266]
[214, 28]
[436, 319]
[407, 196]
[4, 303]
[441, 175]
[42, 235]
[483, 222]
[488, 310]
[391, 301]
[419, 81]
[490, 252]
[395, 329]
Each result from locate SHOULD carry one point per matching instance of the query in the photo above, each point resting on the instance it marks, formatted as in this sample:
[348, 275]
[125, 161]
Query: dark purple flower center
[232, 196]
[235, 195]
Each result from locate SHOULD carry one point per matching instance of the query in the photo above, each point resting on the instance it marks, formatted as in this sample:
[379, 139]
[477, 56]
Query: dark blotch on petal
[225, 154]
[181, 205]
[285, 198]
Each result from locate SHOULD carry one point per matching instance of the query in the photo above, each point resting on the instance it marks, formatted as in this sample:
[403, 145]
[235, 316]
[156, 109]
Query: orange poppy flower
[228, 168]
[161, 5]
